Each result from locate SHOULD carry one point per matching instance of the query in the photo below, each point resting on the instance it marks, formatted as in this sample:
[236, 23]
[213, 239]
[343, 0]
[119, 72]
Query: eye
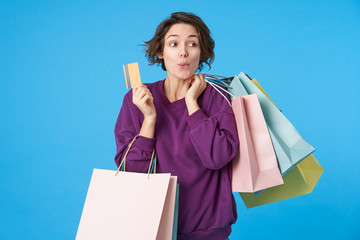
[172, 44]
[193, 44]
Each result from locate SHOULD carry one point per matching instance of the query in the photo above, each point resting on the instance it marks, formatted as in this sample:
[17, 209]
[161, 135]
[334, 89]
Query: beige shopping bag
[127, 205]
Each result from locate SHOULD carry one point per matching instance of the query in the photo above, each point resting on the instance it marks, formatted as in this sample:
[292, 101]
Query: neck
[175, 89]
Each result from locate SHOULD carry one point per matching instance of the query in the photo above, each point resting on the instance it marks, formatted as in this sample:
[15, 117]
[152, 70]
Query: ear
[160, 55]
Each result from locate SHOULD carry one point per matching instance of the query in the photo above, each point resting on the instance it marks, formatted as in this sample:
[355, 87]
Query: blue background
[62, 86]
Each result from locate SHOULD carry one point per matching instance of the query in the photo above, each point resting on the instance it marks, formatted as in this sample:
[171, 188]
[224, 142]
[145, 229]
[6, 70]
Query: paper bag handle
[123, 161]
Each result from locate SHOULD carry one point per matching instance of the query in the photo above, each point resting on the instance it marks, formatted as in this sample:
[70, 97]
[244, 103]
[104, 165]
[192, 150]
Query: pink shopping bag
[129, 205]
[255, 167]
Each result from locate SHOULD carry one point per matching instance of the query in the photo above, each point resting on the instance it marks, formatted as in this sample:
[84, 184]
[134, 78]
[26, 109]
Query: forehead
[181, 30]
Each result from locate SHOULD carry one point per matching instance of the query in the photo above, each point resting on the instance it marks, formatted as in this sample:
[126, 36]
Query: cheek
[197, 53]
[196, 57]
[169, 55]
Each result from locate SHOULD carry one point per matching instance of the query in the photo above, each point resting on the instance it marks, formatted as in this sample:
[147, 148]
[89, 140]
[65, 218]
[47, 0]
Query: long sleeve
[127, 126]
[213, 131]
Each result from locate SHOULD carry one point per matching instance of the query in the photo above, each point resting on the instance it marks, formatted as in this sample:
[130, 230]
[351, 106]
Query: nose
[183, 52]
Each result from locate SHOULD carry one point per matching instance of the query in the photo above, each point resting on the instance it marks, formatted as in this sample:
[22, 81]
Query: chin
[185, 76]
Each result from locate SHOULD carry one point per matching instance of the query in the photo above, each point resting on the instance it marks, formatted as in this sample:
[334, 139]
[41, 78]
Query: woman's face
[181, 53]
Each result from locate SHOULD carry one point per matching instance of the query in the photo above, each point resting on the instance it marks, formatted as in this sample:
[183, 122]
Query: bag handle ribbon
[152, 166]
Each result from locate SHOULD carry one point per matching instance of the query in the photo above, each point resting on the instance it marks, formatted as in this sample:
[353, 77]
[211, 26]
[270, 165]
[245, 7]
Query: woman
[190, 125]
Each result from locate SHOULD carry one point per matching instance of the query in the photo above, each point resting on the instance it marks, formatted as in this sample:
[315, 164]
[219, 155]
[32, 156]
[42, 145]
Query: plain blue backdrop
[62, 86]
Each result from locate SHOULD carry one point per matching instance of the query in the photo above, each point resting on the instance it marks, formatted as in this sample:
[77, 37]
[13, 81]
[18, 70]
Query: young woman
[190, 125]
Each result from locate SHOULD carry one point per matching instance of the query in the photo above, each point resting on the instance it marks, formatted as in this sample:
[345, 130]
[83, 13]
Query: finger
[199, 82]
[202, 79]
[139, 100]
[148, 97]
[145, 100]
[140, 92]
[201, 76]
[191, 79]
[135, 90]
[138, 85]
[143, 92]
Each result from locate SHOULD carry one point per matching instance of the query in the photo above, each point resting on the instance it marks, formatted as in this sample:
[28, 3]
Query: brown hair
[156, 45]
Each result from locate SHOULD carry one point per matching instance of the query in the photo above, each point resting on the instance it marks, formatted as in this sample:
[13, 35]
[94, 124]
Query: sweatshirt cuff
[144, 143]
[196, 118]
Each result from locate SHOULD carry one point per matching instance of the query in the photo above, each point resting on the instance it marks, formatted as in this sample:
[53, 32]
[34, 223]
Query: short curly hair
[156, 45]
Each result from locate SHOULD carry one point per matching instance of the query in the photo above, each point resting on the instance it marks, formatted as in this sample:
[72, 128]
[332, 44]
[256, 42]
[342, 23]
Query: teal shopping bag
[290, 147]
[176, 214]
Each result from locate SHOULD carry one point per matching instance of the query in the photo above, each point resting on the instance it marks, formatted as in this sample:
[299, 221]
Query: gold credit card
[132, 74]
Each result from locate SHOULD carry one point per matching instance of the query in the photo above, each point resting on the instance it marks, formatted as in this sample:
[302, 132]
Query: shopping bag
[255, 166]
[168, 222]
[127, 205]
[176, 214]
[290, 147]
[299, 181]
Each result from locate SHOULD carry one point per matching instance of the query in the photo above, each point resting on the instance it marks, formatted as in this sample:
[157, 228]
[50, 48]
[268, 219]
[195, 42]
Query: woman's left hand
[198, 85]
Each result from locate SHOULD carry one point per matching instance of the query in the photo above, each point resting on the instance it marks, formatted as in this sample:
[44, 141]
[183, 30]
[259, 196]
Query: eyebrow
[175, 35]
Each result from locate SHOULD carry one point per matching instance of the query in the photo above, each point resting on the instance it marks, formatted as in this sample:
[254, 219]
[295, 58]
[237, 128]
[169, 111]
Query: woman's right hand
[144, 100]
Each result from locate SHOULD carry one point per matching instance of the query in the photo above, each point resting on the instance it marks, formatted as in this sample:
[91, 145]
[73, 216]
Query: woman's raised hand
[144, 100]
[198, 85]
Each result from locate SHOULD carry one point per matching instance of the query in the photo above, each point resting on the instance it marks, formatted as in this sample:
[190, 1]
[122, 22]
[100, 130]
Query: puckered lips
[184, 65]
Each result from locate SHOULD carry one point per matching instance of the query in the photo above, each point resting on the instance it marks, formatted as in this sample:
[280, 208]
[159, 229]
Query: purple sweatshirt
[198, 149]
